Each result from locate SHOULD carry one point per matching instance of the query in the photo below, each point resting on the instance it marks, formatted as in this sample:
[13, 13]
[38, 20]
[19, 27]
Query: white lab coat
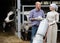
[52, 18]
[41, 31]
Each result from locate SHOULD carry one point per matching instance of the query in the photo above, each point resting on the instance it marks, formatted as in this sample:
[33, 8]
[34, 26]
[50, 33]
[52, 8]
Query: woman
[53, 18]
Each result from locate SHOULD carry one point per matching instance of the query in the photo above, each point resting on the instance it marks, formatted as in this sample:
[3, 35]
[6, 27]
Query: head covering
[54, 6]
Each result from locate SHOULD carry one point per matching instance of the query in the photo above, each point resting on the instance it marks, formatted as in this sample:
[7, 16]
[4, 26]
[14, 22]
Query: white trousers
[52, 34]
[38, 39]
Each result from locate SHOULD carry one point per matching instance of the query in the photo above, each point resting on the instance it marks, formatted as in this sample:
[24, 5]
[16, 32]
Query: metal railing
[23, 10]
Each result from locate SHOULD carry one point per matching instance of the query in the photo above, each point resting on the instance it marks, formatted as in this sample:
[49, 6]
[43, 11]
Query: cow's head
[9, 17]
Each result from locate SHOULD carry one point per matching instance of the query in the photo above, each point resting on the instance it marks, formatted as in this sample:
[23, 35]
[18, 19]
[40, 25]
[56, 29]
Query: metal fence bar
[23, 14]
[34, 5]
[58, 30]
[23, 6]
[19, 23]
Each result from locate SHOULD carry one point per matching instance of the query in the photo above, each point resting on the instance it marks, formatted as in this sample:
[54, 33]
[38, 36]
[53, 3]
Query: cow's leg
[4, 24]
[7, 27]
[1, 27]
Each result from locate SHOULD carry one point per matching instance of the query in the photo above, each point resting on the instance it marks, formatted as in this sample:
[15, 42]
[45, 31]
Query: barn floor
[21, 41]
[8, 38]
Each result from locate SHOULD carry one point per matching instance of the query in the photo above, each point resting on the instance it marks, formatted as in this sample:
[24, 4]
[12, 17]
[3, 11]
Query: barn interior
[5, 7]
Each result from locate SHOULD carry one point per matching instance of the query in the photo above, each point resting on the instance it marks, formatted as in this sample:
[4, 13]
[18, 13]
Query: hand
[44, 41]
[33, 19]
[51, 24]
[39, 18]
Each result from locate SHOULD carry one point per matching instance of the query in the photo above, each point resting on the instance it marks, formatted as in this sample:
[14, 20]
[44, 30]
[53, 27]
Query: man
[36, 15]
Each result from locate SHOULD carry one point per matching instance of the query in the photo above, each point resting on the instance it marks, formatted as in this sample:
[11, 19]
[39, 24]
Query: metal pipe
[19, 23]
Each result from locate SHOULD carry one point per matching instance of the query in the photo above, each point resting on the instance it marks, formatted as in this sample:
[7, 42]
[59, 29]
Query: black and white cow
[8, 22]
[9, 17]
[26, 29]
[5, 9]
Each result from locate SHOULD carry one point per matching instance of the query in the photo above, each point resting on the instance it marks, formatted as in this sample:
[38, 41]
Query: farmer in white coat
[53, 18]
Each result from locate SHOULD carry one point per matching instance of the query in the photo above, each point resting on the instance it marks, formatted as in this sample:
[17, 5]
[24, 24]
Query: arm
[41, 17]
[56, 19]
[45, 37]
[31, 16]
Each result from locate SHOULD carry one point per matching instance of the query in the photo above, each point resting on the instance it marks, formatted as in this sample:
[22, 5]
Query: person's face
[51, 8]
[38, 5]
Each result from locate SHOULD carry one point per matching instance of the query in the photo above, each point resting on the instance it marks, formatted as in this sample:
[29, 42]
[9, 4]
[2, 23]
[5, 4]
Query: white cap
[54, 6]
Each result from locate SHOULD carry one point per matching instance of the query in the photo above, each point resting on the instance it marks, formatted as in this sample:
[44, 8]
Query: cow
[26, 29]
[9, 22]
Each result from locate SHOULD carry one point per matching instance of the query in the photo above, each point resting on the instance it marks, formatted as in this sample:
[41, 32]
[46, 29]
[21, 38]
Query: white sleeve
[47, 16]
[56, 19]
